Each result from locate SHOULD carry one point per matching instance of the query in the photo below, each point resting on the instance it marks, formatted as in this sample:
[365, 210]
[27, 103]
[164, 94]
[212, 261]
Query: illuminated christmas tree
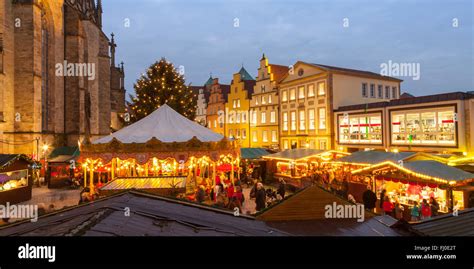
[161, 84]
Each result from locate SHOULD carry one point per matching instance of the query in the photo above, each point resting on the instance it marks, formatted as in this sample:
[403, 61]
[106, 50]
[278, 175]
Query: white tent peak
[164, 124]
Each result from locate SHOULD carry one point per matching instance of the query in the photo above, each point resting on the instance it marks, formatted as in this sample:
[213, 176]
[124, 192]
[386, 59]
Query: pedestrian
[201, 194]
[282, 188]
[237, 199]
[382, 197]
[230, 191]
[370, 198]
[425, 210]
[415, 212]
[253, 191]
[399, 209]
[345, 188]
[260, 197]
[434, 206]
[387, 206]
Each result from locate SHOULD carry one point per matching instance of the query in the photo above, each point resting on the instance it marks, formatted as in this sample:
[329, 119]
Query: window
[231, 133]
[364, 90]
[372, 90]
[265, 136]
[274, 137]
[263, 117]
[394, 93]
[380, 91]
[284, 96]
[301, 92]
[285, 121]
[237, 117]
[234, 103]
[237, 133]
[292, 94]
[244, 134]
[254, 136]
[311, 119]
[262, 87]
[360, 129]
[263, 100]
[311, 90]
[435, 126]
[272, 117]
[285, 144]
[322, 118]
[293, 120]
[301, 118]
[215, 123]
[244, 117]
[387, 92]
[238, 102]
[321, 88]
[323, 144]
[254, 117]
[269, 99]
[256, 100]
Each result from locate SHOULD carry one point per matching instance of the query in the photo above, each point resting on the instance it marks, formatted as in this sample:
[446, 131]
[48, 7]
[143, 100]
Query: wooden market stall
[16, 180]
[62, 167]
[296, 166]
[158, 149]
[413, 181]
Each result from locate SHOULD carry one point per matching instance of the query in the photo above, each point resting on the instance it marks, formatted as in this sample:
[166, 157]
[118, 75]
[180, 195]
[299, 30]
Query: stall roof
[64, 151]
[439, 170]
[150, 215]
[253, 153]
[7, 159]
[294, 154]
[447, 225]
[164, 124]
[145, 183]
[374, 157]
[62, 159]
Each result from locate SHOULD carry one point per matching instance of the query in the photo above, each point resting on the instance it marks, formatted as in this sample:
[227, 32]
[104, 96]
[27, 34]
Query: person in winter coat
[387, 206]
[201, 194]
[370, 198]
[399, 209]
[382, 198]
[260, 197]
[282, 188]
[434, 206]
[425, 210]
[415, 212]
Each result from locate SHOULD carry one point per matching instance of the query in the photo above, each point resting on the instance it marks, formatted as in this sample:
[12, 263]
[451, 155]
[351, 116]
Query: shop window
[265, 136]
[360, 129]
[323, 144]
[285, 144]
[425, 127]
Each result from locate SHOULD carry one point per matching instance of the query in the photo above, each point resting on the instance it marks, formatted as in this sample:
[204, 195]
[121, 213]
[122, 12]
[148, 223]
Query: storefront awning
[253, 153]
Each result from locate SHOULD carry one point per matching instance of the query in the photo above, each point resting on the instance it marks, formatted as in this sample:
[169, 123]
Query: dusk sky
[200, 35]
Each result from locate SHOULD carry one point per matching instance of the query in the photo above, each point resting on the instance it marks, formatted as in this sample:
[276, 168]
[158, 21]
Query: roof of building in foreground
[410, 101]
[150, 215]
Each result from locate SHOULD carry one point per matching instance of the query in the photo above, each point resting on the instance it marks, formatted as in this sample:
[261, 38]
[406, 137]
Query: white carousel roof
[164, 124]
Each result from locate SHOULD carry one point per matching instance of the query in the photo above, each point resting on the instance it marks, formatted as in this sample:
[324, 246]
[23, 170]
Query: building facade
[237, 107]
[441, 123]
[203, 99]
[309, 94]
[264, 106]
[57, 81]
[215, 112]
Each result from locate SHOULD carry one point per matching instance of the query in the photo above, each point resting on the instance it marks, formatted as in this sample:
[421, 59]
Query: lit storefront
[360, 129]
[16, 179]
[431, 126]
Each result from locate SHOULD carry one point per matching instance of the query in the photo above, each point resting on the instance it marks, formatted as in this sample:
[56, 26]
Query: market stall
[63, 167]
[413, 181]
[163, 144]
[296, 166]
[16, 179]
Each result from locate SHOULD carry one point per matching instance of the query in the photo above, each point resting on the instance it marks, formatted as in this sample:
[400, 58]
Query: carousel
[163, 152]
